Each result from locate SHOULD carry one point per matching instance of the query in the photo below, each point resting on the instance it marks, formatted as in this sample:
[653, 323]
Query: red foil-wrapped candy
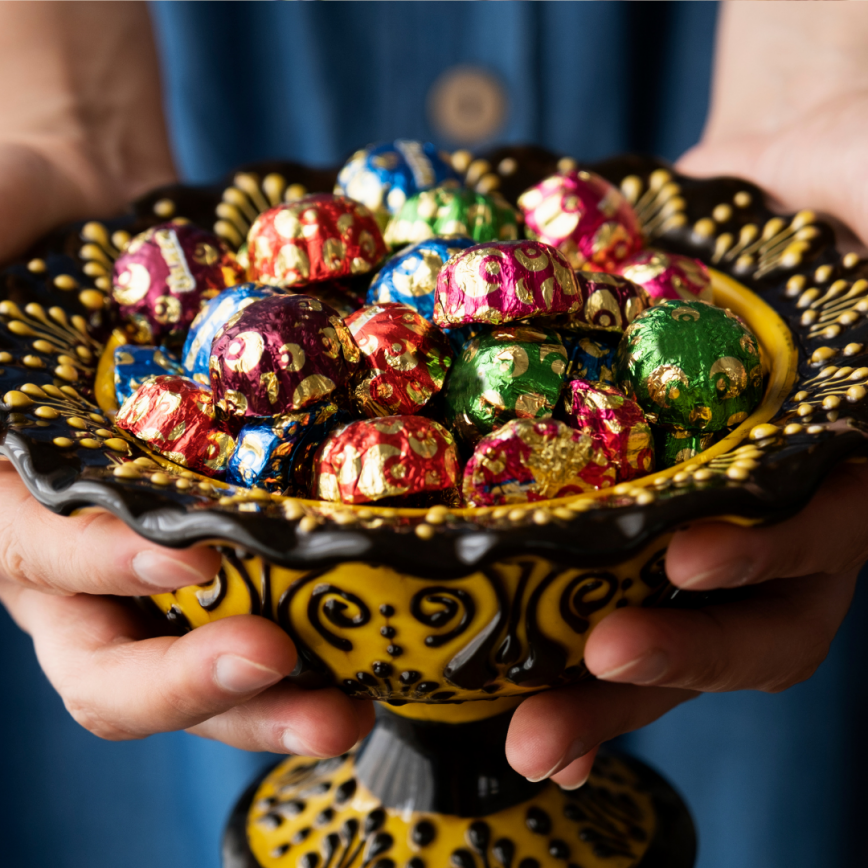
[502, 281]
[175, 417]
[615, 424]
[319, 237]
[164, 276]
[534, 459]
[668, 275]
[385, 457]
[404, 362]
[585, 217]
[278, 355]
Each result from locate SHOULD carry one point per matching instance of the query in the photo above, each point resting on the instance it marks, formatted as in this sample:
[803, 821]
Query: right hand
[82, 133]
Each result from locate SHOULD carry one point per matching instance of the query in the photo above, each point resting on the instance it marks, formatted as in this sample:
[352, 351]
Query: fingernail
[574, 751]
[732, 574]
[239, 675]
[579, 783]
[294, 745]
[644, 669]
[159, 571]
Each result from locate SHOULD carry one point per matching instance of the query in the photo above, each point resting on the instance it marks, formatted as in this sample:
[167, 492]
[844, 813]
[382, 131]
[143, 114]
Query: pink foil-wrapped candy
[616, 425]
[528, 460]
[502, 281]
[278, 355]
[668, 275]
[609, 302]
[585, 217]
[165, 275]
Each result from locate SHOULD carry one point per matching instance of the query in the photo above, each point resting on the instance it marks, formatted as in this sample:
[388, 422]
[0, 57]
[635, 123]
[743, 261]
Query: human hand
[117, 676]
[797, 580]
[790, 113]
[82, 133]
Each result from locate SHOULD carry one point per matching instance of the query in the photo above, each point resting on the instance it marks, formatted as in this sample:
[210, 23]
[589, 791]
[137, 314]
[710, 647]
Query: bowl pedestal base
[434, 794]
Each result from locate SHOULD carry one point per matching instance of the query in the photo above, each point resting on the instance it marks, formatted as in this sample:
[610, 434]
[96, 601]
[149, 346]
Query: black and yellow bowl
[427, 609]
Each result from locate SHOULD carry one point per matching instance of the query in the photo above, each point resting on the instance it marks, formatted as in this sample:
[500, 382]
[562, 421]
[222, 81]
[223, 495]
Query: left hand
[799, 577]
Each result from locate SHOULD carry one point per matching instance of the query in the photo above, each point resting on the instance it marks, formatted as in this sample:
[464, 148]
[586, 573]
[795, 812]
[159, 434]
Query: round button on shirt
[773, 781]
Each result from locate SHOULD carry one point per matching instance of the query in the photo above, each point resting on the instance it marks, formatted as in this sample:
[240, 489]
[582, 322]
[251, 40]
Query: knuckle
[95, 723]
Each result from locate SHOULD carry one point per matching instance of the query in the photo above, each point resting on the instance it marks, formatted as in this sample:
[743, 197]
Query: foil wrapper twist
[616, 425]
[609, 304]
[175, 417]
[373, 459]
[274, 455]
[589, 359]
[134, 364]
[165, 274]
[452, 210]
[668, 275]
[531, 460]
[404, 361]
[514, 371]
[585, 217]
[505, 281]
[214, 315]
[383, 176]
[410, 276]
[690, 365]
[278, 355]
[318, 237]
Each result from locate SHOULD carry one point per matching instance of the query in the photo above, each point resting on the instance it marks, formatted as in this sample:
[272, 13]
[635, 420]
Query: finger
[829, 536]
[119, 684]
[551, 730]
[93, 553]
[576, 774]
[772, 640]
[289, 719]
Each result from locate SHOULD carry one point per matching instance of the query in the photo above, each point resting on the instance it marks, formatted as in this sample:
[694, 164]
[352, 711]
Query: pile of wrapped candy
[482, 368]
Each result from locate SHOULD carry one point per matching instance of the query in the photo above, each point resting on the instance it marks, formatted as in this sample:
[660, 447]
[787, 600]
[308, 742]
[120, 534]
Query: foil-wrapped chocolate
[452, 210]
[164, 276]
[410, 276]
[617, 426]
[675, 445]
[214, 315]
[318, 237]
[344, 296]
[278, 355]
[271, 454]
[404, 362]
[690, 365]
[383, 176]
[391, 456]
[507, 372]
[175, 417]
[585, 217]
[534, 459]
[589, 358]
[668, 275]
[609, 303]
[504, 281]
[134, 364]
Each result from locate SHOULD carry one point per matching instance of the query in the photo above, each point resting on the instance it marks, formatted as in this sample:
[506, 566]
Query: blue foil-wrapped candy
[385, 175]
[209, 321]
[274, 454]
[135, 363]
[589, 359]
[410, 276]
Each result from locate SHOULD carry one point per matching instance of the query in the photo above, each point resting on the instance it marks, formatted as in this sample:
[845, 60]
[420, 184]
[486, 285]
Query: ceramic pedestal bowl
[446, 617]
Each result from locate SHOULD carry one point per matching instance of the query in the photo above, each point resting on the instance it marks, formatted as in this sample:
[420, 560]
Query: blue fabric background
[774, 781]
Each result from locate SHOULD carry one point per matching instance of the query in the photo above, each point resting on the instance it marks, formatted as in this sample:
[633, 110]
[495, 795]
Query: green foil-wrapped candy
[450, 210]
[678, 444]
[509, 372]
[690, 365]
